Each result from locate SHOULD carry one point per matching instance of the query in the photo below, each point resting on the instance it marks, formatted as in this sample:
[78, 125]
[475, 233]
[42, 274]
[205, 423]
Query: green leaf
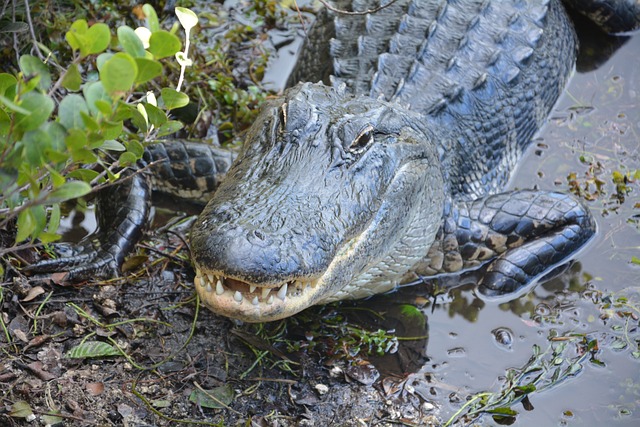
[215, 398]
[152, 17]
[157, 117]
[102, 58]
[40, 107]
[26, 225]
[94, 92]
[118, 74]
[72, 79]
[124, 111]
[13, 106]
[130, 41]
[69, 190]
[98, 37]
[21, 409]
[173, 99]
[48, 237]
[75, 140]
[135, 148]
[6, 81]
[503, 411]
[56, 179]
[104, 107]
[147, 69]
[86, 175]
[88, 40]
[40, 218]
[163, 44]
[89, 122]
[69, 111]
[412, 312]
[127, 158]
[35, 143]
[635, 260]
[57, 133]
[111, 130]
[95, 140]
[76, 34]
[33, 66]
[112, 145]
[525, 389]
[89, 349]
[172, 126]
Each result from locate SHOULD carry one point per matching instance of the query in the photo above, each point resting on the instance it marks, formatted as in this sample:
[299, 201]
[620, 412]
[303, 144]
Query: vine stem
[31, 30]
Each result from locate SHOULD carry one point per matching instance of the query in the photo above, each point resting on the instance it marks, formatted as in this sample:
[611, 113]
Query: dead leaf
[37, 368]
[19, 333]
[37, 341]
[33, 293]
[60, 278]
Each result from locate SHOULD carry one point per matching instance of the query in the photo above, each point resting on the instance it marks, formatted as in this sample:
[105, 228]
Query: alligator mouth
[250, 302]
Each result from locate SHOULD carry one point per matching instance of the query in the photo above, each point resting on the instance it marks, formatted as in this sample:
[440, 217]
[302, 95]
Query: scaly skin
[396, 169]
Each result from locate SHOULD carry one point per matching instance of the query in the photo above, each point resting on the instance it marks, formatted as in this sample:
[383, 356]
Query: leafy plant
[67, 131]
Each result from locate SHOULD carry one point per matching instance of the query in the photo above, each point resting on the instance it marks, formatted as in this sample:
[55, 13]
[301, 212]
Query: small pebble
[321, 389]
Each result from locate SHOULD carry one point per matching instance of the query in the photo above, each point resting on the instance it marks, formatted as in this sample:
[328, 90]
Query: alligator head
[332, 197]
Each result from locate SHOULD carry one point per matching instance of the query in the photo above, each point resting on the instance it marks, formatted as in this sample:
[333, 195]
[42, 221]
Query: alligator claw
[77, 262]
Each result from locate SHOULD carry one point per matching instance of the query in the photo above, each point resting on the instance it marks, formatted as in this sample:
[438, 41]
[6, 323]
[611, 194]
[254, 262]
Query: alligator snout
[255, 273]
[254, 255]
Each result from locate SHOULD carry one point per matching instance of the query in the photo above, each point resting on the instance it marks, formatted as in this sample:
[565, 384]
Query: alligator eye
[364, 138]
[282, 117]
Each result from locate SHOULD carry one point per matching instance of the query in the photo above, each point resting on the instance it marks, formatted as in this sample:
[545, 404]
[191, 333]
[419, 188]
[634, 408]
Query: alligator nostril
[258, 238]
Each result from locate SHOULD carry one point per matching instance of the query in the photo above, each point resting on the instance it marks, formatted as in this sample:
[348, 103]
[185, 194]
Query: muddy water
[597, 119]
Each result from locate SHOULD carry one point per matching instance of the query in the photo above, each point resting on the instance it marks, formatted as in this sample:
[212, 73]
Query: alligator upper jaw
[254, 303]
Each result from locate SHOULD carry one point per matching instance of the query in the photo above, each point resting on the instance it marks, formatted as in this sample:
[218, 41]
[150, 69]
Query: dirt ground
[180, 363]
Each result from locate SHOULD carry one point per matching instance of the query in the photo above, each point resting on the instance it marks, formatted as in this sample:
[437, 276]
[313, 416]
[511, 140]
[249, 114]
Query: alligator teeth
[257, 294]
[282, 293]
[237, 296]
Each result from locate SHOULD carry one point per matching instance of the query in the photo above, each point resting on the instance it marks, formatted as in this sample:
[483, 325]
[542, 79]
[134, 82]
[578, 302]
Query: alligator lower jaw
[253, 303]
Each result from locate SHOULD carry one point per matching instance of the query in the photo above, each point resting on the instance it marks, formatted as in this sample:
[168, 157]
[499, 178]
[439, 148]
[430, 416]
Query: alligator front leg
[521, 235]
[187, 170]
[122, 212]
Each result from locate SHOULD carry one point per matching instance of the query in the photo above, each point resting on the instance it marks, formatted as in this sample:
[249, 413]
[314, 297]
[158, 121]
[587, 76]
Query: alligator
[394, 170]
